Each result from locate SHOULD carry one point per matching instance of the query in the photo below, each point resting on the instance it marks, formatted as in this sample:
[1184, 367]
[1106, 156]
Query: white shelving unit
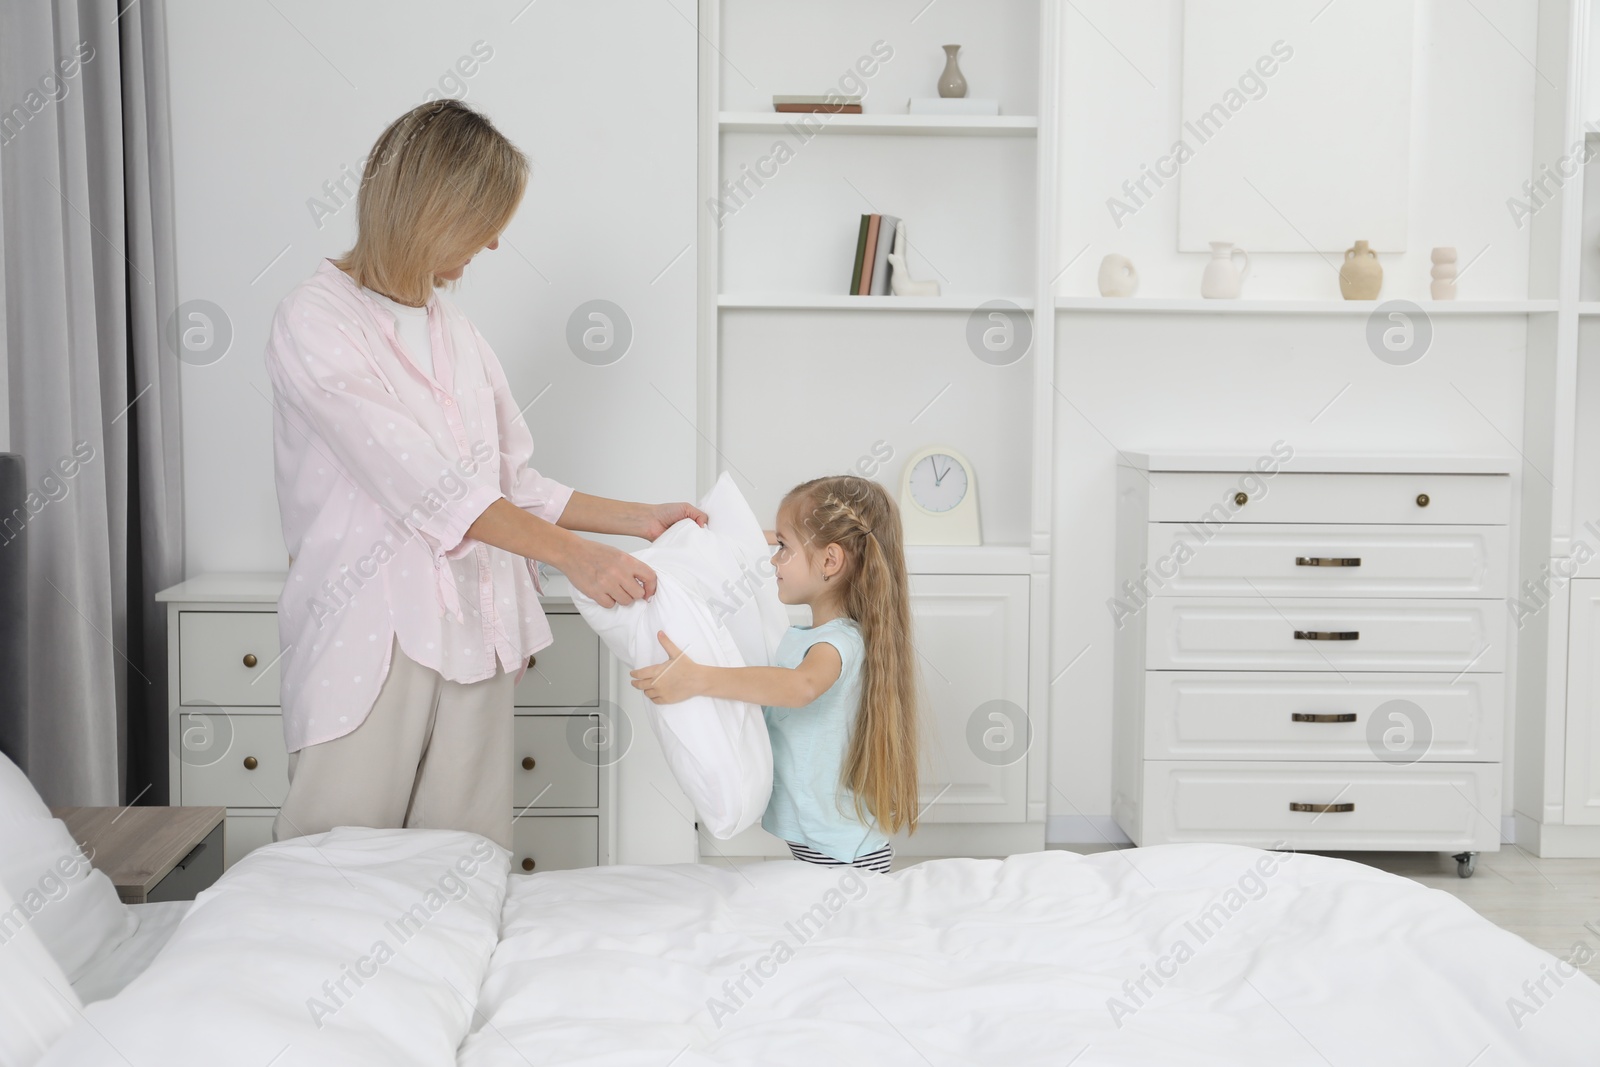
[1557, 767]
[775, 247]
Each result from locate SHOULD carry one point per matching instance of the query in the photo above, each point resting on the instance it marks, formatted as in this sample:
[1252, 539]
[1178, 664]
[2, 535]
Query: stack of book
[874, 242]
[818, 103]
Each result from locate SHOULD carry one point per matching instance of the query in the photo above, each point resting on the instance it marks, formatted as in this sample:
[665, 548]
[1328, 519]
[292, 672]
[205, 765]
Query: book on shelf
[880, 259]
[817, 109]
[817, 104]
[874, 240]
[868, 254]
[861, 251]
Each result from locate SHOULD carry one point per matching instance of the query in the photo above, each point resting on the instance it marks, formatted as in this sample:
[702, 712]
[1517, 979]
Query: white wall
[1472, 128]
[608, 119]
[1238, 382]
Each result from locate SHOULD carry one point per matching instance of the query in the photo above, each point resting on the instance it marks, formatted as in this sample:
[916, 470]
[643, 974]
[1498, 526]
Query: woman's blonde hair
[439, 184]
[859, 516]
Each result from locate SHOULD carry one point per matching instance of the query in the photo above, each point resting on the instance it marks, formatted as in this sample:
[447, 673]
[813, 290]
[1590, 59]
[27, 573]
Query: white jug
[1221, 279]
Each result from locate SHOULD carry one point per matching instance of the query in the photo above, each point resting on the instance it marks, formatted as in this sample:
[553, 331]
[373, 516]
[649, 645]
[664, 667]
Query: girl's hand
[675, 679]
[657, 517]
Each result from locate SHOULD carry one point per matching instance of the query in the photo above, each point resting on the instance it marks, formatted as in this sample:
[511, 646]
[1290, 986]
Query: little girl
[841, 705]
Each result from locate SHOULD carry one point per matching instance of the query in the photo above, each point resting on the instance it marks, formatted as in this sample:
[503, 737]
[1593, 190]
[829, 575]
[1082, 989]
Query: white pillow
[73, 908]
[717, 599]
[37, 1005]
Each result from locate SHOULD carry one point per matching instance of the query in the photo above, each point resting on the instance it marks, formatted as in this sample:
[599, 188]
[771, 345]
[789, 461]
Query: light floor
[1545, 901]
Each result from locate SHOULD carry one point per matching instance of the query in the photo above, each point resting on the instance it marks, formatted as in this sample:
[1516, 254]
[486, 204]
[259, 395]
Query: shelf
[830, 302]
[1296, 307]
[1589, 307]
[1323, 462]
[921, 125]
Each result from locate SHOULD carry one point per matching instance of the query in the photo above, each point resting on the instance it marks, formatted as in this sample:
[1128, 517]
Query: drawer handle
[1322, 808]
[194, 854]
[1241, 499]
[250, 763]
[1326, 635]
[249, 659]
[527, 863]
[527, 763]
[1318, 716]
[533, 661]
[1327, 561]
[1422, 500]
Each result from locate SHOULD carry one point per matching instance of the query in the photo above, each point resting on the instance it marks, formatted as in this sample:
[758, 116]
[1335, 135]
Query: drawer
[1423, 807]
[1195, 633]
[1250, 715]
[549, 771]
[234, 761]
[565, 673]
[228, 657]
[554, 843]
[1193, 496]
[1270, 559]
[243, 834]
[195, 872]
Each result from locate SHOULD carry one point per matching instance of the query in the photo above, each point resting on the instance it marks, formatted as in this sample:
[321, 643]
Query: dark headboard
[14, 609]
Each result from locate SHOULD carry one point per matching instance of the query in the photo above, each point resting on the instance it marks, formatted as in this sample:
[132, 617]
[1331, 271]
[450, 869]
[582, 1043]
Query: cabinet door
[971, 638]
[1583, 704]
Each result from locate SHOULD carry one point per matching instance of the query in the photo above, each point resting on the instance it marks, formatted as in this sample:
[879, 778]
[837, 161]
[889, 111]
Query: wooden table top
[137, 847]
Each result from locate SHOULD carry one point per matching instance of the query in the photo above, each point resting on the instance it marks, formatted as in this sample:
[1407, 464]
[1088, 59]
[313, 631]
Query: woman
[412, 518]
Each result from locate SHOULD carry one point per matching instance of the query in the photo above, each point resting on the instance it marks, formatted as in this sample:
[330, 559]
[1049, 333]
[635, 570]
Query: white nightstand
[225, 727]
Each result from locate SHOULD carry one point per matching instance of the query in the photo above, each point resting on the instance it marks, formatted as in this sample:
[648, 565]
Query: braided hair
[858, 515]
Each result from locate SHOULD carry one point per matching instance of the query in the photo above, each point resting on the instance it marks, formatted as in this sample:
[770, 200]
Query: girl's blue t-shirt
[809, 805]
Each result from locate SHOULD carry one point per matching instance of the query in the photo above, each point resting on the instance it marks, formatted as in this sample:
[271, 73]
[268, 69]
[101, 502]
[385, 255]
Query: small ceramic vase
[952, 82]
[1361, 275]
[1118, 276]
[1444, 274]
[1221, 279]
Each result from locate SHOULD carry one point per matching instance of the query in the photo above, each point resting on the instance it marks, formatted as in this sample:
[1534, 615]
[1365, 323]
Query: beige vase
[1361, 275]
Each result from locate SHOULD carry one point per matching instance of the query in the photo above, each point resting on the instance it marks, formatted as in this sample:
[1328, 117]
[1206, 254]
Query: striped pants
[873, 861]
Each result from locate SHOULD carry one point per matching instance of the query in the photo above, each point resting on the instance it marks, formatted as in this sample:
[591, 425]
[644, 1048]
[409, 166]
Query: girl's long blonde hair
[858, 515]
[440, 183]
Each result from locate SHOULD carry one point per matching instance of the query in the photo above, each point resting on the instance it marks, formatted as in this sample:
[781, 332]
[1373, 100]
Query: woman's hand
[608, 576]
[655, 518]
[677, 678]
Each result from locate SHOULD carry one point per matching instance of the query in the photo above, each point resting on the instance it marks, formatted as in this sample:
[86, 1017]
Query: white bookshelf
[977, 194]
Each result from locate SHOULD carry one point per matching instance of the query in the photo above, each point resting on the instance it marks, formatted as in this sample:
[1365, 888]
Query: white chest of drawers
[1309, 650]
[225, 729]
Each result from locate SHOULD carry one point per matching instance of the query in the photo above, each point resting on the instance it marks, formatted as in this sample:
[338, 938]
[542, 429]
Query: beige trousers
[431, 753]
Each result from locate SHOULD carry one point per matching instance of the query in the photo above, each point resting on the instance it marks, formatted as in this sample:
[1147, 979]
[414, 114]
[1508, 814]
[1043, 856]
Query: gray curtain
[89, 277]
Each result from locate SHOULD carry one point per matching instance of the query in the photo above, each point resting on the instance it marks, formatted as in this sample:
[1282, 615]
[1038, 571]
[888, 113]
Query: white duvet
[1042, 958]
[1179, 954]
[352, 947]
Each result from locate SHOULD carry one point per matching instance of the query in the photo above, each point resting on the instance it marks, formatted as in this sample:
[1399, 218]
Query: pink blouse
[381, 468]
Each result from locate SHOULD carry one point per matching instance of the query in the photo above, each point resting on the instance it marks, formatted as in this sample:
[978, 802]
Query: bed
[420, 947]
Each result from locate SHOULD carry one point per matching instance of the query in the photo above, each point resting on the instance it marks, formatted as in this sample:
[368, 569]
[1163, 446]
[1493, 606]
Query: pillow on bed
[37, 1005]
[717, 599]
[73, 908]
